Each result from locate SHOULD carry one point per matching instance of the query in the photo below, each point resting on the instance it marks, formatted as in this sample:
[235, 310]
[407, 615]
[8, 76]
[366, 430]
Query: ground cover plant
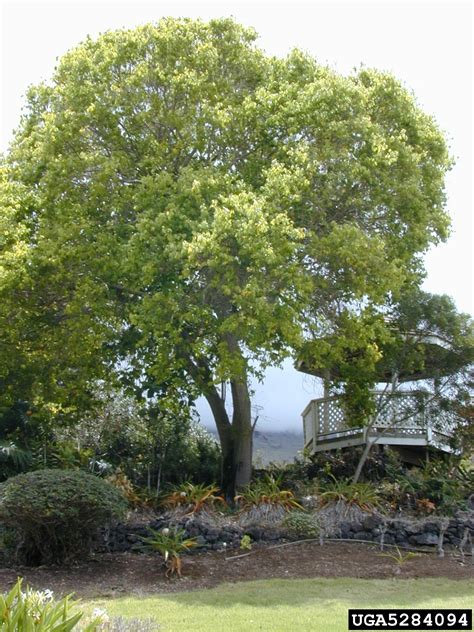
[289, 605]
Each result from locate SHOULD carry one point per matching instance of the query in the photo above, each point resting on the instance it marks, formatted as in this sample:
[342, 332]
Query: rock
[427, 538]
[256, 533]
[345, 529]
[372, 522]
[200, 541]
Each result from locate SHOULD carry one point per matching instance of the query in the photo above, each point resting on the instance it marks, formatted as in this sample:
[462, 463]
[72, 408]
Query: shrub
[443, 486]
[54, 514]
[301, 524]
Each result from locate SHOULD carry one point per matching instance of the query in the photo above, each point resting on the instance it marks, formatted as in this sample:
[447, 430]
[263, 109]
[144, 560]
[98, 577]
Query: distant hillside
[274, 447]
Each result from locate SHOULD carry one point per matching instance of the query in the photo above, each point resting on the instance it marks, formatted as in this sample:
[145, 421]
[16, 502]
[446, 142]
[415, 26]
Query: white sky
[428, 45]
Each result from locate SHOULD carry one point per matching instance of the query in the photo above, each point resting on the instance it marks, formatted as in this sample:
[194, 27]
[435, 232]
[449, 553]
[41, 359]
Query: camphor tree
[190, 207]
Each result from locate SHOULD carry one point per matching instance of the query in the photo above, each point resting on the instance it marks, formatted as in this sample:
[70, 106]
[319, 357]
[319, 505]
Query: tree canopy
[183, 209]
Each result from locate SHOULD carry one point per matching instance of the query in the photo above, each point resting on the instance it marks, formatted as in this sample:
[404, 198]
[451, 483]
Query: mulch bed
[119, 574]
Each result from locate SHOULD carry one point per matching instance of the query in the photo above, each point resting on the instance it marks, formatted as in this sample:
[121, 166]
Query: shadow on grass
[396, 593]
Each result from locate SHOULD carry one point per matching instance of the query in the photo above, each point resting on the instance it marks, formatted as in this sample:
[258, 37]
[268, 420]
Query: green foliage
[341, 464]
[301, 524]
[35, 611]
[247, 200]
[364, 495]
[246, 543]
[399, 557]
[266, 491]
[54, 514]
[446, 483]
[13, 459]
[168, 542]
[193, 497]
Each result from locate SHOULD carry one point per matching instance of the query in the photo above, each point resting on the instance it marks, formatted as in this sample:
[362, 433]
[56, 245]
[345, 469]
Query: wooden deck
[401, 421]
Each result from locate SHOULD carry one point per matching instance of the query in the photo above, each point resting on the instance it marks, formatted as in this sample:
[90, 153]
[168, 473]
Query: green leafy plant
[170, 544]
[301, 524]
[36, 611]
[440, 485]
[266, 491]
[53, 515]
[246, 543]
[13, 459]
[399, 557]
[193, 497]
[364, 495]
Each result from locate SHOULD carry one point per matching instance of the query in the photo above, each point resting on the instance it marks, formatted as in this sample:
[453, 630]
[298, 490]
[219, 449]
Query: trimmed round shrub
[54, 515]
[300, 524]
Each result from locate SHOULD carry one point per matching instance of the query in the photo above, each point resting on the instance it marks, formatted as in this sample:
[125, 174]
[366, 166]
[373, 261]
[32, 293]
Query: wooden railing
[403, 418]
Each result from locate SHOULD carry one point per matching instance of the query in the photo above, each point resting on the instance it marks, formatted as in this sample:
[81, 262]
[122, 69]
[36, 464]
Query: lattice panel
[402, 411]
[331, 417]
[443, 421]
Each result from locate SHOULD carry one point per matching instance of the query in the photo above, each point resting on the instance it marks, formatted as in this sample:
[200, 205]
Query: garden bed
[112, 575]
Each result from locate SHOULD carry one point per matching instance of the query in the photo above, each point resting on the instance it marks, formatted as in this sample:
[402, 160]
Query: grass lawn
[288, 605]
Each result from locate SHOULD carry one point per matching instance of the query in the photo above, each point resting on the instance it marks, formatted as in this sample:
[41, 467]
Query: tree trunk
[242, 433]
[236, 437]
[362, 460]
[224, 430]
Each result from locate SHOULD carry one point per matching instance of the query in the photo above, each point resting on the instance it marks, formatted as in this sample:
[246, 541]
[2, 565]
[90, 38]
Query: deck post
[315, 423]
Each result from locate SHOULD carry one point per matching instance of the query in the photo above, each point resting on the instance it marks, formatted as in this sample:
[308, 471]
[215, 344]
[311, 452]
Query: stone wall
[403, 532]
[409, 533]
